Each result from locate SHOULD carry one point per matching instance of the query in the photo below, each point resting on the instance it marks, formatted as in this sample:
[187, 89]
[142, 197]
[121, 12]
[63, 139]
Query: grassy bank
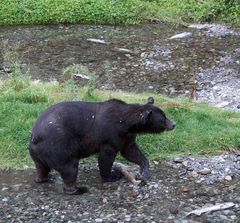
[200, 129]
[15, 12]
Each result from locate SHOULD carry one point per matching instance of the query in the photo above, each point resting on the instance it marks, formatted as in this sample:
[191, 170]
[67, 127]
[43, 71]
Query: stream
[201, 61]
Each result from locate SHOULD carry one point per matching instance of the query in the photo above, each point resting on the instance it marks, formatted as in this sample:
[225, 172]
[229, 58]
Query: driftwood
[216, 207]
[124, 169]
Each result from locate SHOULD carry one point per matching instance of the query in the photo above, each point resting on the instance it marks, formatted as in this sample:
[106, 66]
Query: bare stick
[124, 169]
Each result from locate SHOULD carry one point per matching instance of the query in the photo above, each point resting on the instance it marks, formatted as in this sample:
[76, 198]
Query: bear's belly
[88, 148]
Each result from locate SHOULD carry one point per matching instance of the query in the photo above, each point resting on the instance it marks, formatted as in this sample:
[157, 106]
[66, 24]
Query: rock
[193, 174]
[131, 85]
[4, 188]
[204, 171]
[98, 220]
[228, 178]
[127, 218]
[237, 166]
[5, 199]
[155, 162]
[185, 189]
[174, 210]
[105, 200]
[178, 160]
[150, 87]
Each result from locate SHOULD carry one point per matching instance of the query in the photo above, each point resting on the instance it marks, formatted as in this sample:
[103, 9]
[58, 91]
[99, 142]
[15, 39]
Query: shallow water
[155, 63]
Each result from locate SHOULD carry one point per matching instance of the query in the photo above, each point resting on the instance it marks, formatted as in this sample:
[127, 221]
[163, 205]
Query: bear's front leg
[132, 153]
[105, 162]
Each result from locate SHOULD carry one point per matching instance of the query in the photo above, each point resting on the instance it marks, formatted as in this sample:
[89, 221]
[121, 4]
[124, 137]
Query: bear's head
[153, 120]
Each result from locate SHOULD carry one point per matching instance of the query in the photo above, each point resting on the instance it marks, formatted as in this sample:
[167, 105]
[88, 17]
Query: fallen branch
[124, 169]
[216, 207]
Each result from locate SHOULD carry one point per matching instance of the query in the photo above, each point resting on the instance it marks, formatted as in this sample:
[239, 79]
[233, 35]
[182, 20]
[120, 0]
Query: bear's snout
[170, 125]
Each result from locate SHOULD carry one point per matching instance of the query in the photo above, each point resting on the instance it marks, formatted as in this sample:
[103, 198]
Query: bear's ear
[150, 100]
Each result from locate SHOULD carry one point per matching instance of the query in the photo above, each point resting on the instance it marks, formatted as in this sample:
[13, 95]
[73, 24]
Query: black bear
[69, 131]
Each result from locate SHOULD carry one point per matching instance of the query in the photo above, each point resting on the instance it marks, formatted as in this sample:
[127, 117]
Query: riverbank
[13, 12]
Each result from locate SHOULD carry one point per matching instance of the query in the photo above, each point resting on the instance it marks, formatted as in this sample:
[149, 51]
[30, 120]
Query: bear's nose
[170, 125]
[174, 125]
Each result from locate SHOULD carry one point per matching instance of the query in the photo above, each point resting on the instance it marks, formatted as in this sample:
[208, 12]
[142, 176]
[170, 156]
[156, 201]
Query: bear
[69, 131]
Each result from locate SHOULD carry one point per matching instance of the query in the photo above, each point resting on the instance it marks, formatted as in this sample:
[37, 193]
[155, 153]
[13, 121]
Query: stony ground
[176, 188]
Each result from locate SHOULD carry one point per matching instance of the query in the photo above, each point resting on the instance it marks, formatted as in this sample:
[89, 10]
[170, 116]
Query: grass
[15, 12]
[201, 129]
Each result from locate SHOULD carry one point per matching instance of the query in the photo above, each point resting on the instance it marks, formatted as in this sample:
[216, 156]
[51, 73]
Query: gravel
[176, 188]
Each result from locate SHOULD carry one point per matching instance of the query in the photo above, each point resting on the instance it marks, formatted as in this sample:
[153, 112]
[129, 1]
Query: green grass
[201, 129]
[15, 12]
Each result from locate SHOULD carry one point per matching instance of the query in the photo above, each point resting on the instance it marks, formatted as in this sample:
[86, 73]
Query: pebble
[127, 218]
[204, 171]
[105, 200]
[4, 188]
[5, 199]
[228, 178]
[178, 160]
[193, 174]
[98, 220]
[237, 166]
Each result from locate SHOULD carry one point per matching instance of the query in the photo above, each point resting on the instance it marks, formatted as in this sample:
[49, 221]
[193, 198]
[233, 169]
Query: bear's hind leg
[42, 170]
[69, 175]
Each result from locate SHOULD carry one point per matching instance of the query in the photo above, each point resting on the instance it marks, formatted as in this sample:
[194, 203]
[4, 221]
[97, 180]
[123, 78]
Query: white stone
[228, 178]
